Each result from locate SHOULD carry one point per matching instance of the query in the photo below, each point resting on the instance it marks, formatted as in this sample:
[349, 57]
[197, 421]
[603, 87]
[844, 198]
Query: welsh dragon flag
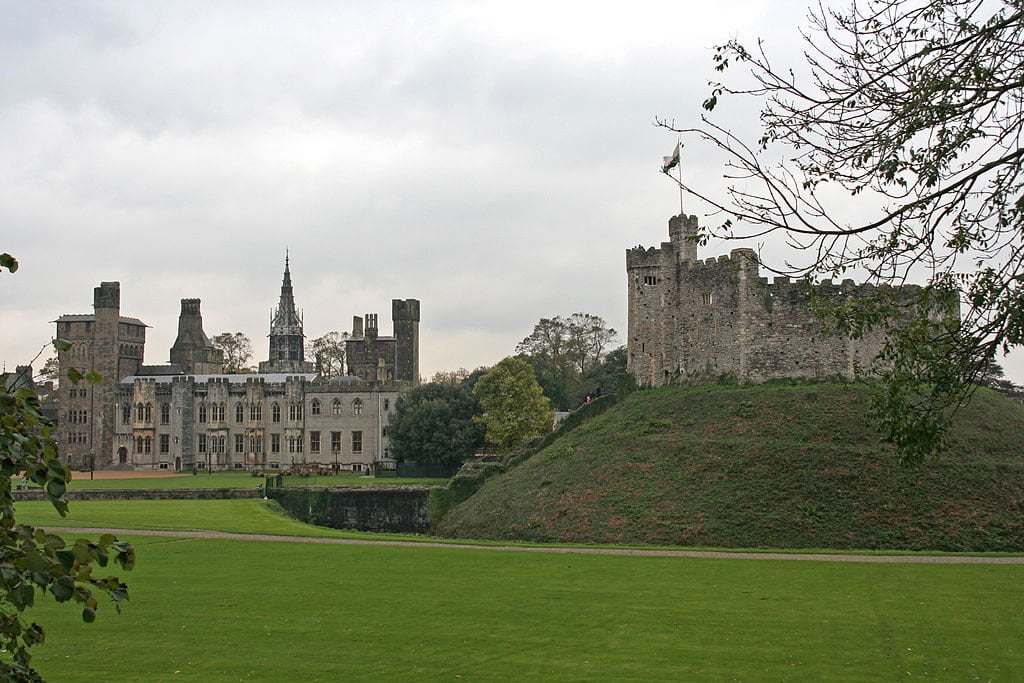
[668, 163]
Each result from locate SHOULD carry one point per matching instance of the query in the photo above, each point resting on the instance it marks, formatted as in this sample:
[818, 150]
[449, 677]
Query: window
[336, 407]
[147, 445]
[126, 413]
[295, 411]
[202, 412]
[256, 412]
[165, 443]
[202, 443]
[275, 443]
[357, 442]
[149, 412]
[357, 407]
[314, 442]
[216, 444]
[165, 413]
[294, 444]
[275, 413]
[165, 466]
[239, 412]
[237, 465]
[139, 412]
[256, 444]
[384, 430]
[239, 443]
[84, 417]
[706, 298]
[217, 410]
[314, 407]
[387, 404]
[650, 280]
[335, 442]
[138, 444]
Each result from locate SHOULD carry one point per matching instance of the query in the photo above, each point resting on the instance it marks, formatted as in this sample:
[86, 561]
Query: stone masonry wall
[698, 320]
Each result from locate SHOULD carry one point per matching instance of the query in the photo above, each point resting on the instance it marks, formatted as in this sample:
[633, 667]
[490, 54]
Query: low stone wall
[145, 494]
[380, 508]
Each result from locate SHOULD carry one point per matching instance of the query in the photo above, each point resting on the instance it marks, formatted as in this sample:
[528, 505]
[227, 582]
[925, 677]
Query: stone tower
[405, 315]
[113, 346]
[383, 359]
[287, 352]
[192, 348]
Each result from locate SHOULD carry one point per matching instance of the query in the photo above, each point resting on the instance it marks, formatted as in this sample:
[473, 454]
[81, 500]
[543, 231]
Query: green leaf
[93, 377]
[63, 588]
[22, 595]
[61, 345]
[74, 375]
[9, 262]
[55, 488]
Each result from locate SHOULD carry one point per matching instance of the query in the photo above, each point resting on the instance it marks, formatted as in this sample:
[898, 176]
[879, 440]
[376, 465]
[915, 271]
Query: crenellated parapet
[697, 319]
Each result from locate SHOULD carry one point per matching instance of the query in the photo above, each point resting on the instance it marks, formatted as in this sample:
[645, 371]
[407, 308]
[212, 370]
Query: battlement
[407, 309]
[107, 295]
[693, 318]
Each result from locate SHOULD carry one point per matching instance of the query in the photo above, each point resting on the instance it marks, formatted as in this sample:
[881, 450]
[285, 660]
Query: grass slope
[211, 610]
[767, 466]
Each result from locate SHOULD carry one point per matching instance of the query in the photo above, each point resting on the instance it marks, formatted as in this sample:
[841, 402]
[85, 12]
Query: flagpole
[679, 172]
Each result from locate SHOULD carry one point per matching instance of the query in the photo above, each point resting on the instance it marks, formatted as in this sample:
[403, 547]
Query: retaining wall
[395, 509]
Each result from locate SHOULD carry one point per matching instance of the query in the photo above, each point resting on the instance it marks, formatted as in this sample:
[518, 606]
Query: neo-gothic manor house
[189, 415]
[692, 320]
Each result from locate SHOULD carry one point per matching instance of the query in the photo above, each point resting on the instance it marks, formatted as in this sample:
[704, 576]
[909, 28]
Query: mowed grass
[234, 610]
[238, 480]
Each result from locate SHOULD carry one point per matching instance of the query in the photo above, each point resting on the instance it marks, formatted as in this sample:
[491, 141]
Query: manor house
[692, 320]
[190, 415]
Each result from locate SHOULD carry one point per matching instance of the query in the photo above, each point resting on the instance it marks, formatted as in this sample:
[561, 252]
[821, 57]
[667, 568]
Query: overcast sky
[492, 159]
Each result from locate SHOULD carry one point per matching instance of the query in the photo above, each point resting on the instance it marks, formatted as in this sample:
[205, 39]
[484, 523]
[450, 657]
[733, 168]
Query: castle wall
[702, 320]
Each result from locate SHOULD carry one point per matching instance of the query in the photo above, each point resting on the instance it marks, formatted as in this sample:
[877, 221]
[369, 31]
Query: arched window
[85, 416]
[294, 411]
[336, 407]
[149, 412]
[147, 445]
[165, 413]
[275, 413]
[126, 413]
[314, 407]
[239, 412]
[387, 404]
[202, 412]
[256, 412]
[139, 412]
[138, 444]
[222, 409]
[357, 407]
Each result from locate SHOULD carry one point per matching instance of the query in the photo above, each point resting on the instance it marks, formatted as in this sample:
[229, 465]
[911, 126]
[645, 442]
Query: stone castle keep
[699, 320]
[189, 415]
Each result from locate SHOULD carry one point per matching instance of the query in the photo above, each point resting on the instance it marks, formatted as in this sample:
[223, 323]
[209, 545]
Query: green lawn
[232, 610]
[238, 480]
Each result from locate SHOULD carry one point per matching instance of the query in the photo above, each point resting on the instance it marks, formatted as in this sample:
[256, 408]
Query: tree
[328, 353]
[607, 377]
[50, 370]
[910, 111]
[561, 350]
[237, 350]
[515, 409]
[433, 425]
[31, 560]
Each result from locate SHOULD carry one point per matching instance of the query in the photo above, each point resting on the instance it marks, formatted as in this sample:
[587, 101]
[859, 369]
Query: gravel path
[823, 557]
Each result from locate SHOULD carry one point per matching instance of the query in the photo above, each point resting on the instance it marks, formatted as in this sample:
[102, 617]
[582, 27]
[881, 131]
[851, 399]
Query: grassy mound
[766, 466]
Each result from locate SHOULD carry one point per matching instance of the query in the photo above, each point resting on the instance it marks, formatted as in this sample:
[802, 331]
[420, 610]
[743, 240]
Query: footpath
[706, 554]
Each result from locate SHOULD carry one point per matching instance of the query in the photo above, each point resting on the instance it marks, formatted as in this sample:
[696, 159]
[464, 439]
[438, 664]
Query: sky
[492, 159]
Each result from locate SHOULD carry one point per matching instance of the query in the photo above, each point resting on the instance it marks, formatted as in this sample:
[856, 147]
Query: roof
[169, 369]
[89, 317]
[231, 379]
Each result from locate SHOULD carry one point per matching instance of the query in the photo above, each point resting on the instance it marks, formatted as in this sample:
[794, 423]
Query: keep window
[357, 442]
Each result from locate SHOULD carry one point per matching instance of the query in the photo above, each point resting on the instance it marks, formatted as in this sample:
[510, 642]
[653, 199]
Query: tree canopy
[894, 153]
[514, 407]
[433, 425]
[328, 353]
[562, 350]
[237, 350]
